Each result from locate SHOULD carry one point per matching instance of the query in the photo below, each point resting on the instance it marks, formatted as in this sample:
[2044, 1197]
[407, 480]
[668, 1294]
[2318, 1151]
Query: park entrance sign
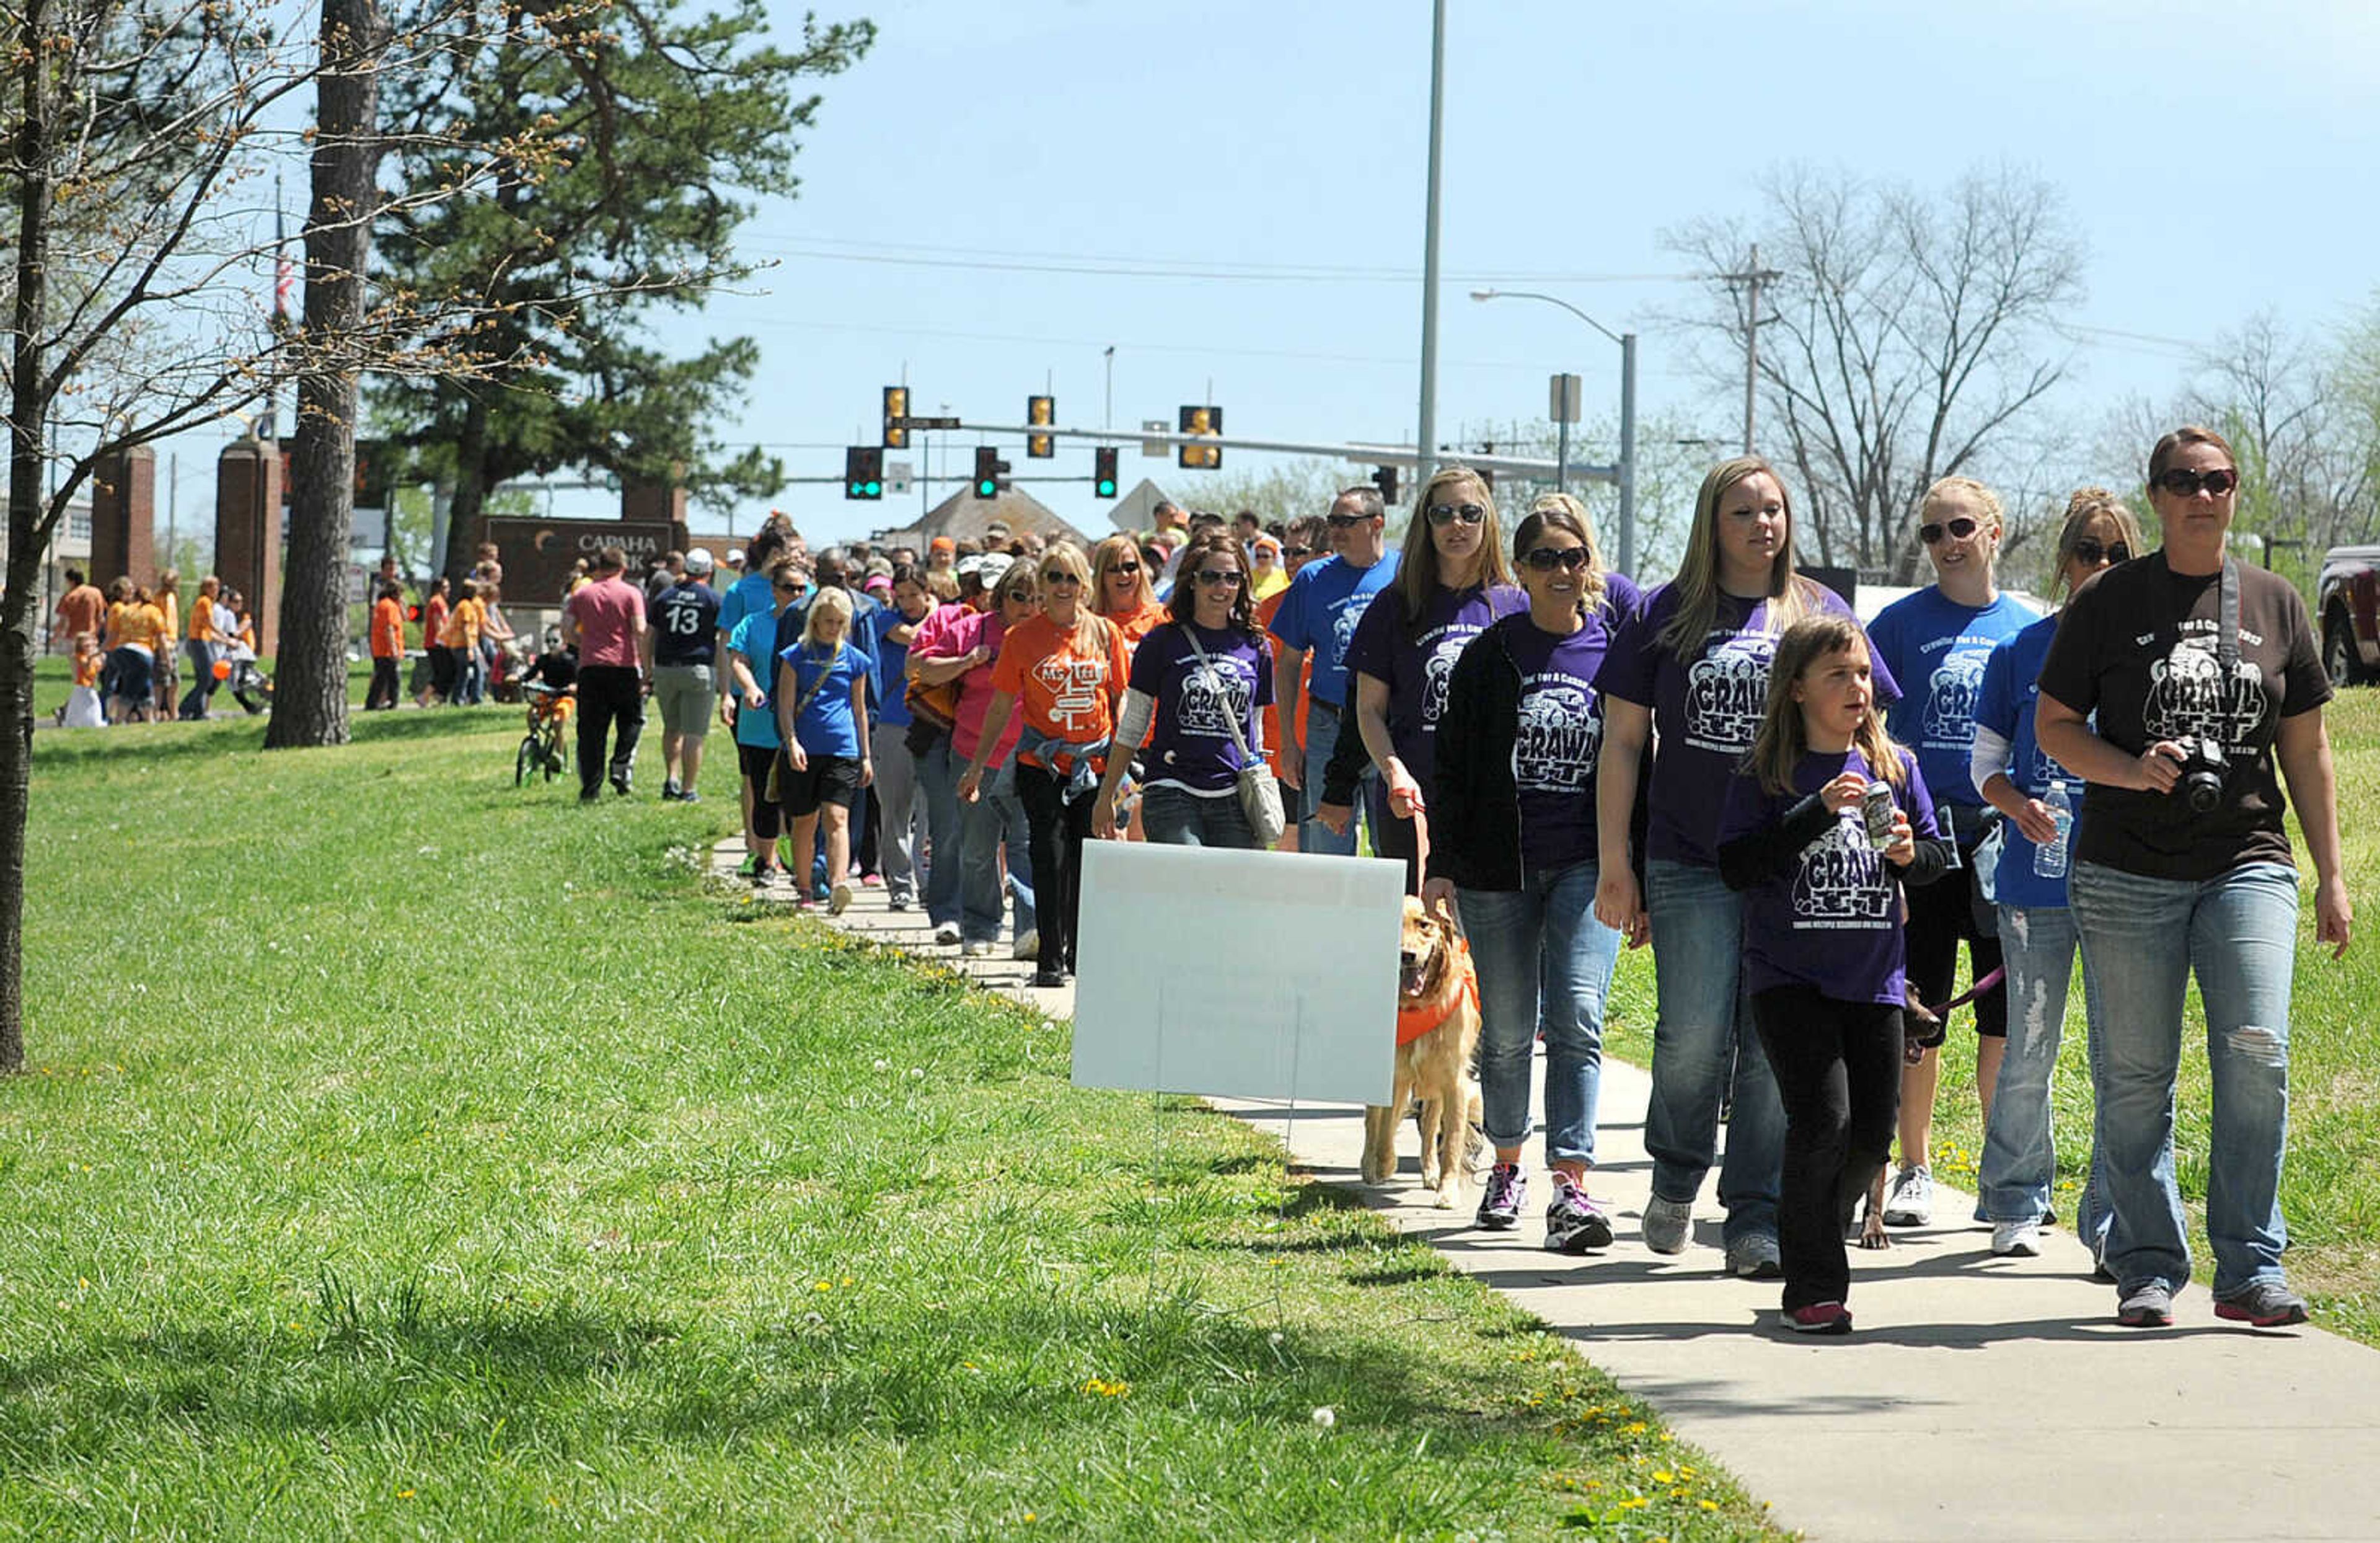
[538, 554]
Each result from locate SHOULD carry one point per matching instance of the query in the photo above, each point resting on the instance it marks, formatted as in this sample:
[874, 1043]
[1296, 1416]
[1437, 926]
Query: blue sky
[2215, 158]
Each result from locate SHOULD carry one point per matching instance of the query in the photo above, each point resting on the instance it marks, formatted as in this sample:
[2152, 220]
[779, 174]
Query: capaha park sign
[538, 554]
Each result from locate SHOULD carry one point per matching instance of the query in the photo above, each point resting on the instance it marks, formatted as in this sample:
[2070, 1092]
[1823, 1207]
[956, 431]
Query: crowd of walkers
[132, 646]
[1805, 818]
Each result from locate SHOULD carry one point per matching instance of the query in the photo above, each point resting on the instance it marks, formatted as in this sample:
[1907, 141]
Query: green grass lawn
[53, 676]
[405, 1154]
[2330, 1191]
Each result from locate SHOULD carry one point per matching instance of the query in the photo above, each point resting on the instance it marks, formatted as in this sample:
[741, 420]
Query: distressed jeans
[2020, 1164]
[2142, 939]
[994, 821]
[1544, 961]
[1704, 1046]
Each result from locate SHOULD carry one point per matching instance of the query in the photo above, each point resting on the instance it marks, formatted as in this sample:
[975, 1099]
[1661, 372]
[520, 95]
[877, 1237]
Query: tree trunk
[27, 415]
[470, 498]
[309, 694]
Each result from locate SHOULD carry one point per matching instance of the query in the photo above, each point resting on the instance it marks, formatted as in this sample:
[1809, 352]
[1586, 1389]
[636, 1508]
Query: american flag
[285, 273]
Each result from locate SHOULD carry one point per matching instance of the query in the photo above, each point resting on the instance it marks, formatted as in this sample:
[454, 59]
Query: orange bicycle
[546, 748]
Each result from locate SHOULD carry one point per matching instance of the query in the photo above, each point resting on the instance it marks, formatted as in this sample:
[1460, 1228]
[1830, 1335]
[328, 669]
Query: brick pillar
[124, 518]
[248, 530]
[656, 504]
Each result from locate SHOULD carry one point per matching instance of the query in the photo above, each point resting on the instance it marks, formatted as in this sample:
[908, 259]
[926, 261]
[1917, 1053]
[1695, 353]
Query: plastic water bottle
[2049, 860]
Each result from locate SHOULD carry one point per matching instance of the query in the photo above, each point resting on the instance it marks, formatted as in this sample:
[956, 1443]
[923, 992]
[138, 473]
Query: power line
[1127, 267]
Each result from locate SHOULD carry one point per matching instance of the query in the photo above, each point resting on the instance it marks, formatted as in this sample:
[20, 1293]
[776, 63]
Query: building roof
[963, 517]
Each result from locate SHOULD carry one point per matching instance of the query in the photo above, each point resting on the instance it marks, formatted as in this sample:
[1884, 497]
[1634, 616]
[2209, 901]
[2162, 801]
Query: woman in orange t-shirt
[1066, 668]
[201, 648]
[387, 640]
[135, 628]
[434, 625]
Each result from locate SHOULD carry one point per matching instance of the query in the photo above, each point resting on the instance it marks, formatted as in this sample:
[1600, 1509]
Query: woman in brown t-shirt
[2183, 867]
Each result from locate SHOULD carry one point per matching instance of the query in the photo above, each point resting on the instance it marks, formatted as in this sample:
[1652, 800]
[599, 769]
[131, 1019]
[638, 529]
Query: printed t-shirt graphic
[1190, 743]
[2009, 695]
[1940, 648]
[1559, 733]
[2137, 646]
[1319, 615]
[1060, 692]
[1416, 664]
[1706, 708]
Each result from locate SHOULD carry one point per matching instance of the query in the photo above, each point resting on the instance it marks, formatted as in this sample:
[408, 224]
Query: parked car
[2347, 602]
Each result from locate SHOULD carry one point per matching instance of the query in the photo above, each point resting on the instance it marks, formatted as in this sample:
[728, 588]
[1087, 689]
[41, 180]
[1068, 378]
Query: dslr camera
[2205, 771]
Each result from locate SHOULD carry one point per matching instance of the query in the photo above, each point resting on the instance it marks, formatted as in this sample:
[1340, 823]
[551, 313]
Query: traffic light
[988, 482]
[1103, 471]
[1201, 420]
[1040, 412]
[896, 408]
[863, 471]
[1385, 478]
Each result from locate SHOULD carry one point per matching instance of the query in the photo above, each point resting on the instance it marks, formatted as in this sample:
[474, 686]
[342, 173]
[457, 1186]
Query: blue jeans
[1544, 961]
[1322, 726]
[1704, 1043]
[2142, 940]
[1174, 817]
[995, 820]
[2019, 1161]
[937, 784]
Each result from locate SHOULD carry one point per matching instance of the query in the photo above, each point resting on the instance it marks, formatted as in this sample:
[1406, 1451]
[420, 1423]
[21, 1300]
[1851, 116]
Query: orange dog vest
[1414, 1022]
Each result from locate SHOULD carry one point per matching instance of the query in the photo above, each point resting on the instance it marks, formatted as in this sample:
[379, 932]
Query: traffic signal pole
[1427, 435]
[1360, 455]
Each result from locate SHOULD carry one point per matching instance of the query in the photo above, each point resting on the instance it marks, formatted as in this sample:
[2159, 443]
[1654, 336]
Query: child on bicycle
[552, 682]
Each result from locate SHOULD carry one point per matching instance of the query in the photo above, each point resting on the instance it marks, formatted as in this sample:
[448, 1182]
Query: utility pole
[1752, 278]
[1427, 442]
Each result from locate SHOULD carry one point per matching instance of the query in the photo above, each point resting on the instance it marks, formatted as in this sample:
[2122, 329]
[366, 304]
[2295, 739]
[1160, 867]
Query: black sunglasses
[1960, 529]
[1340, 522]
[1546, 559]
[1124, 567]
[1219, 575]
[1058, 575]
[1024, 595]
[2183, 482]
[1447, 513]
[1297, 551]
[2088, 553]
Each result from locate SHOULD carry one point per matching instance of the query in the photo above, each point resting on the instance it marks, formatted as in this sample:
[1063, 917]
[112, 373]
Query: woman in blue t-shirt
[821, 700]
[1199, 688]
[1822, 941]
[1452, 581]
[2036, 930]
[1511, 820]
[1936, 642]
[1693, 662]
[748, 667]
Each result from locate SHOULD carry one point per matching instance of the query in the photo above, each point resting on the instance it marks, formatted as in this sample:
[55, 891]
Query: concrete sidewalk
[1979, 1398]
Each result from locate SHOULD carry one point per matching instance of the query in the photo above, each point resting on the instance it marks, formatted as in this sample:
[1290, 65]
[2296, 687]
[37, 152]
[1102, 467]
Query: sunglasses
[1447, 513]
[1546, 559]
[1124, 567]
[1340, 522]
[2185, 483]
[1297, 551]
[1211, 577]
[1058, 575]
[2088, 553]
[1960, 529]
[1022, 596]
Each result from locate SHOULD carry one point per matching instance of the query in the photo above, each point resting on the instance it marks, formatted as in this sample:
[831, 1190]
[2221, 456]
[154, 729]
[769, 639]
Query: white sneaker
[1029, 946]
[1910, 1203]
[974, 950]
[2017, 1240]
[947, 933]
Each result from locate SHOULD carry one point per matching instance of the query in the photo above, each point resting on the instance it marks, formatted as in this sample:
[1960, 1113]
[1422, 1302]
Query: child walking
[1823, 938]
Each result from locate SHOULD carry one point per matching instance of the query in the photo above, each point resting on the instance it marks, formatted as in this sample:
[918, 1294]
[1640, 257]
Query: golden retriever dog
[1437, 993]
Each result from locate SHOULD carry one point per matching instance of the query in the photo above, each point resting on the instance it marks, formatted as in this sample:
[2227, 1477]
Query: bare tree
[1909, 337]
[2300, 430]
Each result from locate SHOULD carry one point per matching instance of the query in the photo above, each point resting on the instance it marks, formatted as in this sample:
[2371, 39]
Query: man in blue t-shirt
[1318, 616]
[686, 629]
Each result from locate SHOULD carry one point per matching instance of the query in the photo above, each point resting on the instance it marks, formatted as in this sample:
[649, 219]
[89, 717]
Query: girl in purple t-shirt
[1823, 938]
[1454, 579]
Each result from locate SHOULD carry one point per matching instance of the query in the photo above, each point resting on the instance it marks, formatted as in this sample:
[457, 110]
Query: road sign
[925, 423]
[897, 475]
[1561, 399]
[1155, 449]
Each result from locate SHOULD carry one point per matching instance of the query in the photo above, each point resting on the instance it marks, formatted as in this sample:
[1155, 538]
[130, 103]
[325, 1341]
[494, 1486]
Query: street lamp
[1627, 469]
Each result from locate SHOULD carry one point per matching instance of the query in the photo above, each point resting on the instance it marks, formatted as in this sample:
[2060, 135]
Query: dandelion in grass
[1634, 1428]
[1326, 1417]
[1708, 1505]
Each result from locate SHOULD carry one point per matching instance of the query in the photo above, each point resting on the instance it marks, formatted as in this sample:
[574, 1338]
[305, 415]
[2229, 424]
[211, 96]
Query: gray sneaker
[1753, 1257]
[1666, 1223]
[2265, 1304]
[2146, 1305]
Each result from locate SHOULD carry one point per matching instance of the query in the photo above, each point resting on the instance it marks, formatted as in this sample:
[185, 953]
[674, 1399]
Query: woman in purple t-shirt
[1452, 580]
[1195, 680]
[1823, 939]
[1694, 661]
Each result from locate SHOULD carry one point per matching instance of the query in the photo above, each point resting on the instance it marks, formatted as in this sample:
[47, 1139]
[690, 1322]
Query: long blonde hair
[1418, 575]
[1784, 738]
[829, 601]
[1104, 557]
[1789, 594]
[2084, 506]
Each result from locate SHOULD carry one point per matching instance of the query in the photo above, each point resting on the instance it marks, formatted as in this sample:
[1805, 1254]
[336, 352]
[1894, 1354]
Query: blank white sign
[1252, 975]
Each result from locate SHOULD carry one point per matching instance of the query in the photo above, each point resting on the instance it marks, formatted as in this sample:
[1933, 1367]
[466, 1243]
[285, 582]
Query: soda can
[1875, 809]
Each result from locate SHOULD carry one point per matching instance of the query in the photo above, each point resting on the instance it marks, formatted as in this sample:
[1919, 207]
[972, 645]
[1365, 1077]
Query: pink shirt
[949, 633]
[608, 611]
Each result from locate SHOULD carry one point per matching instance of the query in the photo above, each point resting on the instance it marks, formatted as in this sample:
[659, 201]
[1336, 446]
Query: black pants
[608, 693]
[1940, 916]
[754, 762]
[1055, 830]
[382, 694]
[1838, 1066]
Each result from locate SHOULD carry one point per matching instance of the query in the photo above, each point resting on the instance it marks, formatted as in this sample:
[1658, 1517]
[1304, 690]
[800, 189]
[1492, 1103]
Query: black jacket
[1475, 807]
